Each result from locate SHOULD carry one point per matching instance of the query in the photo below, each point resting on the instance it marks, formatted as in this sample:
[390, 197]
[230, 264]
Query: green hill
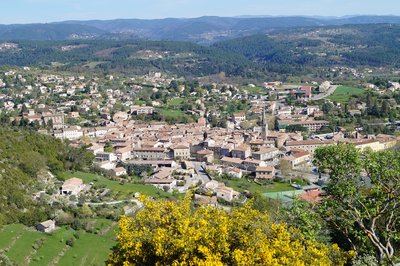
[26, 157]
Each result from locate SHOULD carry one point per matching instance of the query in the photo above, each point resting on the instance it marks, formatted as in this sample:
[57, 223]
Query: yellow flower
[173, 233]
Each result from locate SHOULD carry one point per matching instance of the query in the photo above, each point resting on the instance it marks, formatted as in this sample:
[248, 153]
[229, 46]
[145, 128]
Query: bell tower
[264, 126]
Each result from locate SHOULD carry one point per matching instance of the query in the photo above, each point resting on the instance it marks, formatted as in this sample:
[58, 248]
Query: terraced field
[343, 93]
[26, 246]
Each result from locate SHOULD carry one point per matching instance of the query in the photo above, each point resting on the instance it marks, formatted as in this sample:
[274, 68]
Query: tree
[50, 124]
[173, 233]
[24, 109]
[31, 162]
[327, 107]
[286, 167]
[294, 128]
[247, 124]
[304, 216]
[385, 109]
[108, 147]
[363, 197]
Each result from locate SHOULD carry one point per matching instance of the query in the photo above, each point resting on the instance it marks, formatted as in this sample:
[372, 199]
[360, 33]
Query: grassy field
[343, 93]
[171, 112]
[242, 184]
[123, 190]
[254, 90]
[18, 242]
[139, 102]
[176, 102]
[7, 236]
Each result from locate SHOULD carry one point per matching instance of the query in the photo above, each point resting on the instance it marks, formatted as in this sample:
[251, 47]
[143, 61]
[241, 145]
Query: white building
[46, 226]
[70, 133]
[72, 186]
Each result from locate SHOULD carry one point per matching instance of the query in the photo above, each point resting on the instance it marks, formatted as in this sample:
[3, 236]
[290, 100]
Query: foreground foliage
[363, 199]
[173, 233]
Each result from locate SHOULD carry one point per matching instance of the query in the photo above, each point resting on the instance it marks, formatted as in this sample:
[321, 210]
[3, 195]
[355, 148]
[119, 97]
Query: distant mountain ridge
[199, 30]
[289, 51]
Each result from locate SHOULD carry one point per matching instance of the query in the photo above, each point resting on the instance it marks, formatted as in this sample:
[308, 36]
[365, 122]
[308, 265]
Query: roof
[239, 114]
[307, 122]
[252, 161]
[119, 169]
[204, 152]
[161, 177]
[265, 169]
[95, 147]
[312, 196]
[47, 223]
[226, 190]
[151, 162]
[301, 154]
[256, 142]
[74, 181]
[149, 149]
[180, 147]
[242, 147]
[308, 142]
[267, 150]
[307, 88]
[296, 150]
[124, 149]
[367, 141]
[234, 169]
[231, 160]
[163, 174]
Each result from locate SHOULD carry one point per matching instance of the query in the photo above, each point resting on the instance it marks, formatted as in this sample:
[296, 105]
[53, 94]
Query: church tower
[264, 126]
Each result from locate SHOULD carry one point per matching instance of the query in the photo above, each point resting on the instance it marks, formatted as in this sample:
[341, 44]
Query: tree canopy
[26, 156]
[363, 199]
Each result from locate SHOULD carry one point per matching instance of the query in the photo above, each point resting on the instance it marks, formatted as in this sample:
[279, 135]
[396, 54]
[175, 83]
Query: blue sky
[27, 11]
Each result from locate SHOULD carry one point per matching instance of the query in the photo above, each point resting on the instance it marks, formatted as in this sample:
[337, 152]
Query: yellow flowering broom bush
[174, 233]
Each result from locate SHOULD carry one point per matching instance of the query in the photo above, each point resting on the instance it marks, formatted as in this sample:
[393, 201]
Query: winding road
[138, 203]
[201, 173]
[328, 93]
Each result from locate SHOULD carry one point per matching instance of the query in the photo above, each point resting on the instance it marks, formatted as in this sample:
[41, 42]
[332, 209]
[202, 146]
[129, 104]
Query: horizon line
[204, 16]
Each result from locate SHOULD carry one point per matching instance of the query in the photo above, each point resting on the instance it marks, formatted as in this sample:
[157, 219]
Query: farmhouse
[72, 186]
[46, 226]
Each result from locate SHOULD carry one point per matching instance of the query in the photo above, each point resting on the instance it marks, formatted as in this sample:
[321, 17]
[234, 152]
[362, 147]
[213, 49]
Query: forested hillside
[299, 49]
[26, 159]
[285, 52]
[140, 57]
[205, 30]
[48, 32]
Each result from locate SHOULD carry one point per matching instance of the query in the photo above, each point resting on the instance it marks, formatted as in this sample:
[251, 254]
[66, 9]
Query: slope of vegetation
[299, 51]
[65, 246]
[342, 94]
[139, 57]
[26, 157]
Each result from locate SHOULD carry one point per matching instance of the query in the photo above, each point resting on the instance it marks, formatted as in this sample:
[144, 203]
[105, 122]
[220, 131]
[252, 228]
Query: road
[201, 173]
[138, 203]
[328, 93]
[312, 177]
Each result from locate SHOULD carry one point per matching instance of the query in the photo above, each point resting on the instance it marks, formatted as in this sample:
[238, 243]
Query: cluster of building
[180, 155]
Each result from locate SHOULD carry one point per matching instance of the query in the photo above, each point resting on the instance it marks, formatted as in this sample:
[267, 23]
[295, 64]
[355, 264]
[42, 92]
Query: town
[197, 135]
[222, 141]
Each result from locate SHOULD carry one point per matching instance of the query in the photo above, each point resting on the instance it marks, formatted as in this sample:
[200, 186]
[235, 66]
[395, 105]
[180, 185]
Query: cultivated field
[26, 246]
[343, 93]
